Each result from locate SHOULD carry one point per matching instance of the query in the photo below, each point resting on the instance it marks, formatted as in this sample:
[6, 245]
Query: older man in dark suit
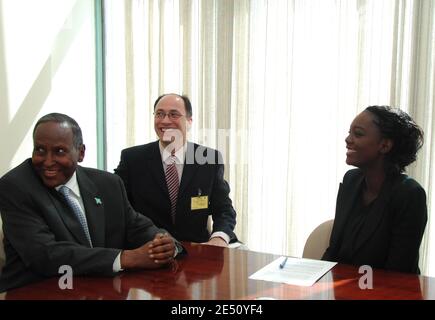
[176, 183]
[57, 213]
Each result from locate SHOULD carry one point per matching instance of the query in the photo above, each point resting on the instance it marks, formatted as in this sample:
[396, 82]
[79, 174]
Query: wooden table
[215, 273]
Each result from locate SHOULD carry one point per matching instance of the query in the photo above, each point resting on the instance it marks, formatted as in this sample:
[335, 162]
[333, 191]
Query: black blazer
[42, 233]
[393, 230]
[141, 169]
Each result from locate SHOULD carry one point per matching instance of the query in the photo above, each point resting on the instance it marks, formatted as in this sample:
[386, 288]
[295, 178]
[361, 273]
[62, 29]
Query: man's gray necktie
[74, 205]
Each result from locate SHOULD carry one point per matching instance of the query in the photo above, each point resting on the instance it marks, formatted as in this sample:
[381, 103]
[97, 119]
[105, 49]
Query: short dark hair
[63, 118]
[406, 135]
[187, 104]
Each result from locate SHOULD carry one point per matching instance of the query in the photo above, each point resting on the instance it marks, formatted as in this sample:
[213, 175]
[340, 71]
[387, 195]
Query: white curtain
[274, 86]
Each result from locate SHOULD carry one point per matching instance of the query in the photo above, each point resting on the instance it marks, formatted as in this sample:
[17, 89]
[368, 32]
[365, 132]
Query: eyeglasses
[172, 115]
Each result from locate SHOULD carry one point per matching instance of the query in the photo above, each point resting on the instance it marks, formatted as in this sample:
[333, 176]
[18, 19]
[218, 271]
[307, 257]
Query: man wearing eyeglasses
[176, 183]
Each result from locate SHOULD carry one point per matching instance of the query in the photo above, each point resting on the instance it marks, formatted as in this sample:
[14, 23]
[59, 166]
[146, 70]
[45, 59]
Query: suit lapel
[155, 164]
[68, 217]
[94, 208]
[190, 167]
[348, 194]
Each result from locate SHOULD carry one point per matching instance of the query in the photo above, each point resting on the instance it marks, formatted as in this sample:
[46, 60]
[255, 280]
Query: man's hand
[153, 254]
[217, 241]
[162, 248]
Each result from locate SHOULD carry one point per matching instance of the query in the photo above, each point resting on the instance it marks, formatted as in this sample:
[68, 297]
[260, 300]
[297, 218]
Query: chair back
[318, 241]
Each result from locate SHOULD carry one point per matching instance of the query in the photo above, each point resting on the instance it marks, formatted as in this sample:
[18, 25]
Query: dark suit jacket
[42, 233]
[392, 233]
[142, 171]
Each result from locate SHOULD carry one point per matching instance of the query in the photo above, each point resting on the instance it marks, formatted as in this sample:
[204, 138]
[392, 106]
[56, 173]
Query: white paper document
[296, 271]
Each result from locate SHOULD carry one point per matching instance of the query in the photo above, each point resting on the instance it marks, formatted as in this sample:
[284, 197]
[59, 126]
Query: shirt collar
[72, 184]
[180, 154]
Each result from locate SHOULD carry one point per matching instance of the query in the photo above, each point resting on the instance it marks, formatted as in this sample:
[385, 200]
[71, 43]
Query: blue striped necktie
[74, 205]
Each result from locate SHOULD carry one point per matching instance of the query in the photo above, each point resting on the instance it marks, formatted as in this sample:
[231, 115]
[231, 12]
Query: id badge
[199, 202]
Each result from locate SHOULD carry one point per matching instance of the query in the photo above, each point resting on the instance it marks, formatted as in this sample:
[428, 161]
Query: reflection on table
[215, 273]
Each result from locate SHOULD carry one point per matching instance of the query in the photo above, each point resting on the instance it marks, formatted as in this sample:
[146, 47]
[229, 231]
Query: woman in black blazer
[381, 213]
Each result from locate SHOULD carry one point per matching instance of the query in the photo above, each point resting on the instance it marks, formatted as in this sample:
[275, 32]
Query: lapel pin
[98, 201]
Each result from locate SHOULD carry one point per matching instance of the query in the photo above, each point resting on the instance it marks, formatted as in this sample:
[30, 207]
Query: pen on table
[282, 264]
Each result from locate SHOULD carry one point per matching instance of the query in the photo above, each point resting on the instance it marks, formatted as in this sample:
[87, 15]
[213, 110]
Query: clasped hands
[154, 254]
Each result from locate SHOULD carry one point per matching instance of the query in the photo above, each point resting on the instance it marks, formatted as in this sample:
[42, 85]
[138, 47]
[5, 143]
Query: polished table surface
[215, 273]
